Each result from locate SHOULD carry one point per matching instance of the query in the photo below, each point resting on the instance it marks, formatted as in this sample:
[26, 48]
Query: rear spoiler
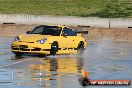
[82, 32]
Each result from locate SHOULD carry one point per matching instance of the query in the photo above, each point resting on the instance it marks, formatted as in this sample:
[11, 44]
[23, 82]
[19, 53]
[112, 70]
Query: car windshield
[46, 30]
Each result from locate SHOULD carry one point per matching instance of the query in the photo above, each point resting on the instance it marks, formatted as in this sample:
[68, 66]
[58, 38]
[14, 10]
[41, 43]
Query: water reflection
[57, 67]
[49, 72]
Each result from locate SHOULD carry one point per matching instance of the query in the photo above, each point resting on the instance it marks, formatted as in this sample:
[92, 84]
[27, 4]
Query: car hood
[32, 37]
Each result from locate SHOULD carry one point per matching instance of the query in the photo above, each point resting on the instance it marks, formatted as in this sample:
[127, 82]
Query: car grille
[25, 48]
[26, 42]
[15, 48]
[36, 49]
[22, 49]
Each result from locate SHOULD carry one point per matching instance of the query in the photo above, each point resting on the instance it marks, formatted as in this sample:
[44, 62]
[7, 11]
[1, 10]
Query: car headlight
[41, 41]
[16, 39]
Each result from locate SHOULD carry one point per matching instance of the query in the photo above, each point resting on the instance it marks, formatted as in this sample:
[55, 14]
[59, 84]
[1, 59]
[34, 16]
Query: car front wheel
[54, 48]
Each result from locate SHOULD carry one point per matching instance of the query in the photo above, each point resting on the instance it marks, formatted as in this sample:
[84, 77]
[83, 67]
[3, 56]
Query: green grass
[83, 8]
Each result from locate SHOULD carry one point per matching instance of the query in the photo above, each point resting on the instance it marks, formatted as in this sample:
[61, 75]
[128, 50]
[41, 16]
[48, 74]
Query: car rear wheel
[80, 48]
[54, 48]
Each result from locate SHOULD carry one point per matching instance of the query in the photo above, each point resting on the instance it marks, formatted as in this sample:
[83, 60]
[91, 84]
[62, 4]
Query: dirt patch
[114, 34]
[14, 29]
[94, 33]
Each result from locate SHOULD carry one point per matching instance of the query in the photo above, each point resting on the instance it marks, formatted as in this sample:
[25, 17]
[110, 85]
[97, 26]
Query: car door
[68, 38]
[74, 38]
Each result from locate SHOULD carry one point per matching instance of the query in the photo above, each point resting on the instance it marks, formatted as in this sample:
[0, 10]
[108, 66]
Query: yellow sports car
[44, 39]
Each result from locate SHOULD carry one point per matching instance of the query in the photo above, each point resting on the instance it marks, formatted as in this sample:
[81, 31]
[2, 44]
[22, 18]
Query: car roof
[55, 26]
[52, 26]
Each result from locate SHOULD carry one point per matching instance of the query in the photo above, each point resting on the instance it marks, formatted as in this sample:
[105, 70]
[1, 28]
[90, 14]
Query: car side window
[73, 33]
[66, 32]
[69, 32]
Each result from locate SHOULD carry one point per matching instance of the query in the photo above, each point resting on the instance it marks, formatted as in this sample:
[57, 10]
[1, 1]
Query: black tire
[80, 48]
[54, 48]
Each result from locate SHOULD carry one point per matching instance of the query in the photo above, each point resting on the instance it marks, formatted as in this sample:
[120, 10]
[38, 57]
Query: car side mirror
[28, 32]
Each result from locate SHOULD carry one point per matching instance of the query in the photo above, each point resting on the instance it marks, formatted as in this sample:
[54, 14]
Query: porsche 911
[49, 40]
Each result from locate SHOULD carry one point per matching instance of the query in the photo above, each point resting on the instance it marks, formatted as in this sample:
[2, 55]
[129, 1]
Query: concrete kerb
[66, 20]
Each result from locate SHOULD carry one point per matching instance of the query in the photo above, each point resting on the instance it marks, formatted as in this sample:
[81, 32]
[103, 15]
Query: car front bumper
[25, 47]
